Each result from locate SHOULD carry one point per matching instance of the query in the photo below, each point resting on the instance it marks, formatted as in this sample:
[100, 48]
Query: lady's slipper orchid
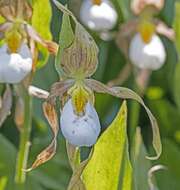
[139, 39]
[19, 52]
[75, 91]
[98, 15]
[150, 55]
[14, 67]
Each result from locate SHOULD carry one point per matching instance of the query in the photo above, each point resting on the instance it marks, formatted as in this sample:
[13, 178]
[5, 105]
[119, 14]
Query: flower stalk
[20, 175]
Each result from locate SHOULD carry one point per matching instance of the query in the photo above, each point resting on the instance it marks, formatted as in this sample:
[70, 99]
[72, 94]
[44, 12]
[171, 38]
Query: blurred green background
[162, 96]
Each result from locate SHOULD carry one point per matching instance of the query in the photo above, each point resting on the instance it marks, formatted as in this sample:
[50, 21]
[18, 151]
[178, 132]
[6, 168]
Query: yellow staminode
[96, 2]
[13, 40]
[80, 97]
[146, 30]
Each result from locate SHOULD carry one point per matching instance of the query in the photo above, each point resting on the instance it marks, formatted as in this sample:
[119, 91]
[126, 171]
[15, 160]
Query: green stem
[23, 153]
[134, 113]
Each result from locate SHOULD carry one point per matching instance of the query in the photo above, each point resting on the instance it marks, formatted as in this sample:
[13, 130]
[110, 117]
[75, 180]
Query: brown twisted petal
[27, 11]
[163, 29]
[59, 88]
[125, 93]
[126, 32]
[33, 34]
[37, 92]
[52, 47]
[49, 152]
[3, 28]
[138, 6]
[6, 104]
[81, 56]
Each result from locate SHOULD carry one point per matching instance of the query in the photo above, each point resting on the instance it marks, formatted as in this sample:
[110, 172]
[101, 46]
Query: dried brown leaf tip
[138, 6]
[49, 152]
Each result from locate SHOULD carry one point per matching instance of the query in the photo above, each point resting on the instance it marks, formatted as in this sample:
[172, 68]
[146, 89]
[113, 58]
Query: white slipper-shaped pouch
[14, 67]
[80, 130]
[150, 55]
[101, 17]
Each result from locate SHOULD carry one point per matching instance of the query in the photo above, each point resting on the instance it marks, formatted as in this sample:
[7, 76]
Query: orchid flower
[19, 58]
[139, 40]
[79, 122]
[19, 53]
[19, 48]
[146, 50]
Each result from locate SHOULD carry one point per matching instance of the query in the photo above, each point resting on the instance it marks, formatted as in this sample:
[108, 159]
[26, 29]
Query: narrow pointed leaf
[126, 93]
[138, 159]
[110, 159]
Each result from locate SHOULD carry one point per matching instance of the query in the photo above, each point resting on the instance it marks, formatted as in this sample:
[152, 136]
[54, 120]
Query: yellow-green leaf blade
[41, 20]
[103, 170]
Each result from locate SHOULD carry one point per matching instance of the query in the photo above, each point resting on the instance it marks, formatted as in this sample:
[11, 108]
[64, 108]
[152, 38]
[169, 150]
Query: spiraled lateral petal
[125, 93]
[49, 151]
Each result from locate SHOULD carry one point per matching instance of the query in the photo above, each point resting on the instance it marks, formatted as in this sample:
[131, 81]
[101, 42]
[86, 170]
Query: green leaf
[110, 159]
[176, 85]
[141, 165]
[2, 20]
[169, 179]
[65, 40]
[167, 14]
[41, 22]
[124, 8]
[3, 182]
